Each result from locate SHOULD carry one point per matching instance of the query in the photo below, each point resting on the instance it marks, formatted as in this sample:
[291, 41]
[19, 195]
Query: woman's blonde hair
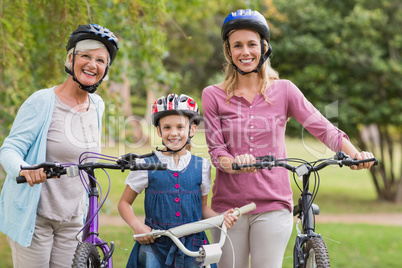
[266, 73]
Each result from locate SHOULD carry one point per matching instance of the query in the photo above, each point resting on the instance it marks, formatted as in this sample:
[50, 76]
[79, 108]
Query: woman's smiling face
[90, 66]
[245, 49]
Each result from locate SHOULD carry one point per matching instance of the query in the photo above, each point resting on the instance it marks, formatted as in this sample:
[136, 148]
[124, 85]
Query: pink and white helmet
[174, 104]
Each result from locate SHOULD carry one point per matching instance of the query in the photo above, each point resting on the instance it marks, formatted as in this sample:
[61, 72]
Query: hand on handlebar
[362, 156]
[36, 176]
[229, 218]
[245, 159]
[143, 229]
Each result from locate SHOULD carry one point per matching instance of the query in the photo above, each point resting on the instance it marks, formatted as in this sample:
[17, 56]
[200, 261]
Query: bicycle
[207, 254]
[86, 253]
[310, 249]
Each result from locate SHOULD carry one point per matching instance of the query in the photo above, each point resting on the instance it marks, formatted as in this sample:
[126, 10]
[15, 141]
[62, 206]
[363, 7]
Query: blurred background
[344, 55]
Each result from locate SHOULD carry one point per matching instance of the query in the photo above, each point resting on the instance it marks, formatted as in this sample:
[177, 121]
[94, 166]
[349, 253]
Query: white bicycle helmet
[174, 104]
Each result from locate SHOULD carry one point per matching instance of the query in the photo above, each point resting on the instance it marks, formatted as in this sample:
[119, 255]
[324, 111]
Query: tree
[32, 49]
[349, 51]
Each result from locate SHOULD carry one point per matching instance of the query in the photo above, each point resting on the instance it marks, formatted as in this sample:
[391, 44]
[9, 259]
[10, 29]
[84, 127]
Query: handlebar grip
[350, 162]
[235, 166]
[244, 209]
[21, 179]
[149, 166]
[147, 155]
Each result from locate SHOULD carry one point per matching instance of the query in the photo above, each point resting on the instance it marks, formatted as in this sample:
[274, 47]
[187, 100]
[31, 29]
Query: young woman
[41, 219]
[172, 197]
[245, 116]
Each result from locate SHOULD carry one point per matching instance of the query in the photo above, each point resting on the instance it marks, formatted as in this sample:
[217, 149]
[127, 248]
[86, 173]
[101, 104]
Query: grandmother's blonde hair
[266, 73]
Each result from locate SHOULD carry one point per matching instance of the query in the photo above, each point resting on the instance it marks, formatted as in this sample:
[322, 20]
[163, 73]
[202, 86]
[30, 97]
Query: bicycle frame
[305, 212]
[91, 231]
[309, 249]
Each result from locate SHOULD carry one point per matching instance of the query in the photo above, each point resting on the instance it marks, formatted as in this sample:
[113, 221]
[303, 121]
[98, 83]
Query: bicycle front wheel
[316, 254]
[86, 256]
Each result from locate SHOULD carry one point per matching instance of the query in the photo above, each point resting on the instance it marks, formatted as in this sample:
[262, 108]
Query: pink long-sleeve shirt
[258, 128]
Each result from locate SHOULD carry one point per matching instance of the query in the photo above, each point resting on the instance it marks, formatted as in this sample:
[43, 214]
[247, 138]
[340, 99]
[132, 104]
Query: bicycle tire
[86, 256]
[316, 254]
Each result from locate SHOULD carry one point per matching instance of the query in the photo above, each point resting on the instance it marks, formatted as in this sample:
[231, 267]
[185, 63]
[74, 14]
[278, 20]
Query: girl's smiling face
[245, 49]
[174, 131]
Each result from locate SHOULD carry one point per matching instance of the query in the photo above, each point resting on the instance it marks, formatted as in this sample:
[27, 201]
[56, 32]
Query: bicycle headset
[95, 32]
[175, 105]
[248, 19]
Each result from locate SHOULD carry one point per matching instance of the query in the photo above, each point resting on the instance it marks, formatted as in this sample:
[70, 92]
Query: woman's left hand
[362, 156]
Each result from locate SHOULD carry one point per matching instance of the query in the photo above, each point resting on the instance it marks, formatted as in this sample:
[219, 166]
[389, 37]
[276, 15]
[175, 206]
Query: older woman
[54, 124]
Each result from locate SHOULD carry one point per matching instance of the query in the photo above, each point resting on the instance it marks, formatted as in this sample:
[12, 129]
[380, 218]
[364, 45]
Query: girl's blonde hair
[266, 73]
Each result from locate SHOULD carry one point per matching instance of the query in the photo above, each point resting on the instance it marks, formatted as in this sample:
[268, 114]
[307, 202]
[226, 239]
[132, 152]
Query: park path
[389, 219]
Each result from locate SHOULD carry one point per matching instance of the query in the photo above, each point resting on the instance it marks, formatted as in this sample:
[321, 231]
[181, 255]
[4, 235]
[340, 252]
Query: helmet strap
[90, 89]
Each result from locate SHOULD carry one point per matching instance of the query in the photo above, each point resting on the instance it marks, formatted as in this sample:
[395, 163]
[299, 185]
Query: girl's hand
[362, 156]
[142, 229]
[245, 159]
[36, 176]
[230, 219]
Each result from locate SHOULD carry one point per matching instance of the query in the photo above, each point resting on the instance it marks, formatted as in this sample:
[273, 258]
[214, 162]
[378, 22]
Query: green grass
[341, 191]
[357, 245]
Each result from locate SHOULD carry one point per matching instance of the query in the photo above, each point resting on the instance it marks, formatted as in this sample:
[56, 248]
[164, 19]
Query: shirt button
[251, 126]
[251, 149]
[251, 138]
[177, 186]
[177, 214]
[251, 106]
[252, 116]
[176, 174]
[177, 199]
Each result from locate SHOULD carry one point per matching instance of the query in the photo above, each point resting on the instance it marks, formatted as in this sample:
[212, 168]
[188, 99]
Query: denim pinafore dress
[172, 198]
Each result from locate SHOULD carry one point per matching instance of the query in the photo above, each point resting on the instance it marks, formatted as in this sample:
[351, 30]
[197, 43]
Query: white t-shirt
[70, 134]
[138, 179]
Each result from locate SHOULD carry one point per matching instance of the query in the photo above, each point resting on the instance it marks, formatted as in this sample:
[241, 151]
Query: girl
[172, 197]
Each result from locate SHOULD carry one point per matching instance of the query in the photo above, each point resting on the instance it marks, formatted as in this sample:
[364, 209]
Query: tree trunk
[380, 142]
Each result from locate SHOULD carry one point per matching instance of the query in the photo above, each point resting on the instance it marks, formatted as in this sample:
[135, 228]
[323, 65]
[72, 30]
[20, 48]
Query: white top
[70, 134]
[138, 179]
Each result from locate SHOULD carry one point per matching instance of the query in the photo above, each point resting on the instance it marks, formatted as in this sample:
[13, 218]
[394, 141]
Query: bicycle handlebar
[269, 162]
[207, 254]
[127, 161]
[198, 226]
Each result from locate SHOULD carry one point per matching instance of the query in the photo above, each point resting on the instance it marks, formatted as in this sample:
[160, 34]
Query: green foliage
[344, 52]
[32, 49]
[14, 55]
[348, 52]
